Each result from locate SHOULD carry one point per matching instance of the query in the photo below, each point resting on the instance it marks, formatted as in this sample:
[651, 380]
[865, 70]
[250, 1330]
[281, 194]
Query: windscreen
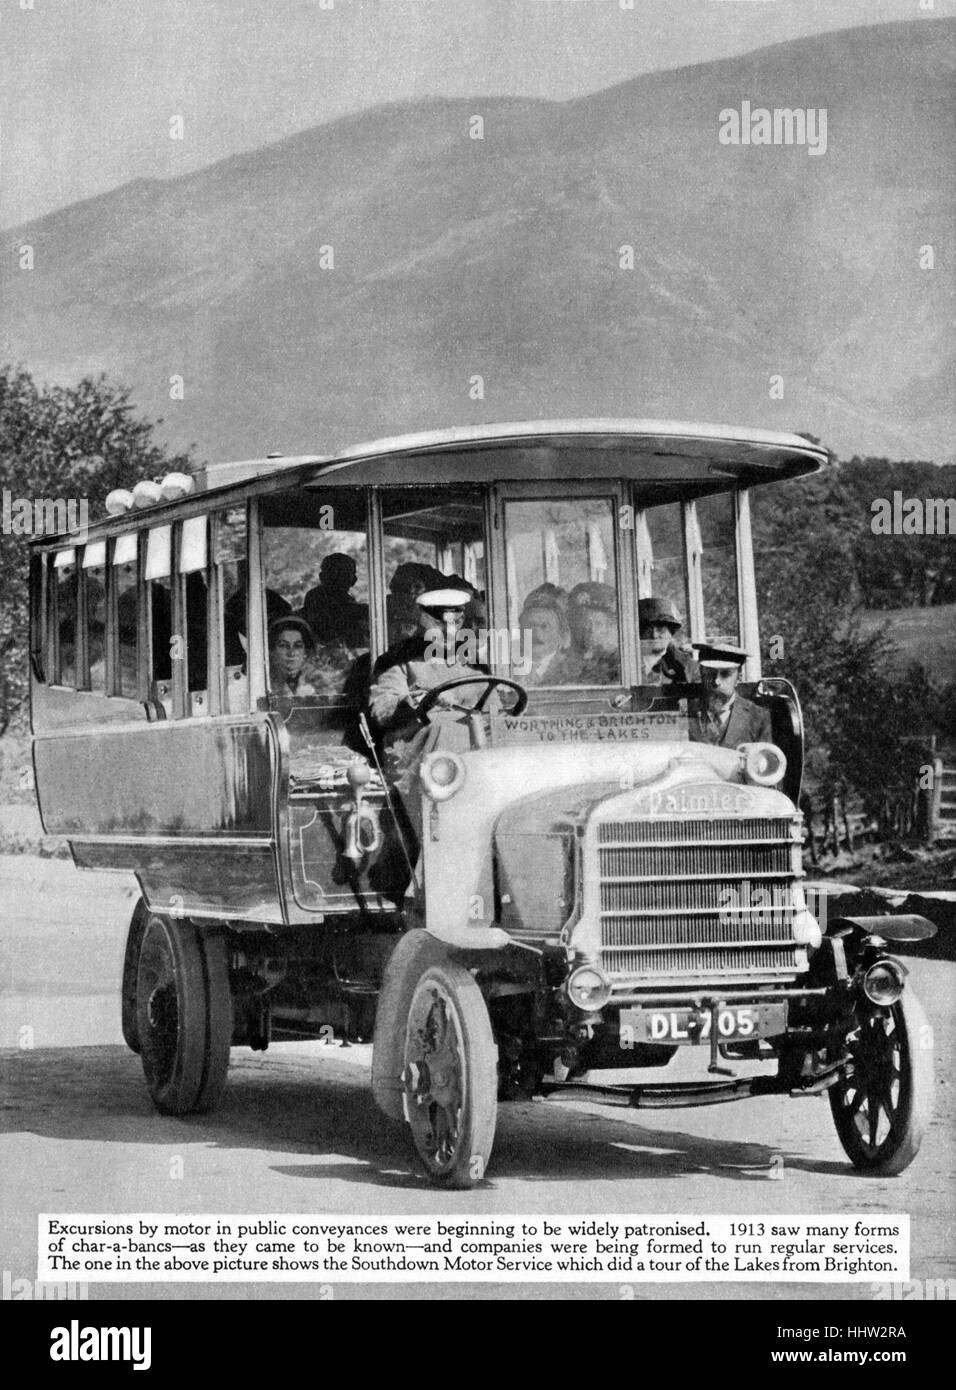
[562, 591]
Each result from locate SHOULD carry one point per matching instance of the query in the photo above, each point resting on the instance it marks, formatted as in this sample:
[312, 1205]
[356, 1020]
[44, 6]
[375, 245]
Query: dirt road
[298, 1131]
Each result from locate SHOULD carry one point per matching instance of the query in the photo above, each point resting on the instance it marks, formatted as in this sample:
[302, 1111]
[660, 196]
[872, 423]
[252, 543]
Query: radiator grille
[690, 898]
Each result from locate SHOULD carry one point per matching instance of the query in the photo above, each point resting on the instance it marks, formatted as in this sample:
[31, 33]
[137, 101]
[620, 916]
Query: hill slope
[499, 257]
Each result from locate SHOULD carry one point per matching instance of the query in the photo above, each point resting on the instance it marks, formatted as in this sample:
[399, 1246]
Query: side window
[563, 591]
[230, 582]
[662, 588]
[433, 539]
[64, 612]
[126, 614]
[315, 569]
[159, 590]
[717, 528]
[94, 574]
[194, 604]
[661, 569]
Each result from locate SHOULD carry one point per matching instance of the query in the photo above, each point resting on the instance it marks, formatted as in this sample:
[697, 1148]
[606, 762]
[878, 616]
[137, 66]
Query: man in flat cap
[592, 617]
[418, 663]
[662, 660]
[726, 718]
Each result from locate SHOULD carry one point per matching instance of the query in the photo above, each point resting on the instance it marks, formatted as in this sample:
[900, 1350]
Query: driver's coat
[405, 672]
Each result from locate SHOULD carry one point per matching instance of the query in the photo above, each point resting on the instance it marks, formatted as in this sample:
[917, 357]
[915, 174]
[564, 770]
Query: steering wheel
[431, 696]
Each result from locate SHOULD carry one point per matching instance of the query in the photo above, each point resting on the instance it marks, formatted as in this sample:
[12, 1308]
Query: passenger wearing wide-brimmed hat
[592, 616]
[291, 649]
[662, 660]
[725, 717]
[428, 658]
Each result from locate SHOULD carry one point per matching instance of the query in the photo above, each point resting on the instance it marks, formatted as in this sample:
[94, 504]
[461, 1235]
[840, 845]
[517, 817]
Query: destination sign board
[659, 725]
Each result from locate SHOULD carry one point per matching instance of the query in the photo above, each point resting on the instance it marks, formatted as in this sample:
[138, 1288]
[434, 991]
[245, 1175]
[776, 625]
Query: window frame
[184, 702]
[55, 590]
[375, 572]
[216, 650]
[747, 607]
[616, 491]
[114, 668]
[378, 541]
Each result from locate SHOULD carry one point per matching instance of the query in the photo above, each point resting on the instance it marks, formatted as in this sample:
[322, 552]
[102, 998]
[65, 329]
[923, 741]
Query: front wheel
[450, 1076]
[883, 1107]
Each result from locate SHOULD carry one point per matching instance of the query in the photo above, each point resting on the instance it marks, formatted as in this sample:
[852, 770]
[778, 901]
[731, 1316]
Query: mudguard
[904, 927]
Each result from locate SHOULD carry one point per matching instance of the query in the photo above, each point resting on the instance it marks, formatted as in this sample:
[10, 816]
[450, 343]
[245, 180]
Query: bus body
[562, 877]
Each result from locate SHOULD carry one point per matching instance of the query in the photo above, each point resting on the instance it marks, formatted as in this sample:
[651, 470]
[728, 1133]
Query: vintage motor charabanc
[551, 873]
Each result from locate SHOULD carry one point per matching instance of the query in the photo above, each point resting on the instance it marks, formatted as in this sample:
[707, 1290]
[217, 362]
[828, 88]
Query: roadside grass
[926, 635]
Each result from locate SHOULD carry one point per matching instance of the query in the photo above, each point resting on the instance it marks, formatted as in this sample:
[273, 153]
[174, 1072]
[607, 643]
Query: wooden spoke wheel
[882, 1108]
[450, 1076]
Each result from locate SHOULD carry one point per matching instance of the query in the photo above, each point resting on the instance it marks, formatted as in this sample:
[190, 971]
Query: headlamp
[764, 764]
[588, 989]
[883, 982]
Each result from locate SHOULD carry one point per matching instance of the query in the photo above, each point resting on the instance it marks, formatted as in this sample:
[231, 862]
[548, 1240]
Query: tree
[856, 708]
[70, 444]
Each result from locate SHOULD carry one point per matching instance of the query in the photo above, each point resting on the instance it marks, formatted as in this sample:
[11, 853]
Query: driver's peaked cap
[437, 600]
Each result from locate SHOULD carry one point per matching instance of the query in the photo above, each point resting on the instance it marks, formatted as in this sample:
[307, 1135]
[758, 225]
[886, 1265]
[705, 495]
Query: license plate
[735, 1023]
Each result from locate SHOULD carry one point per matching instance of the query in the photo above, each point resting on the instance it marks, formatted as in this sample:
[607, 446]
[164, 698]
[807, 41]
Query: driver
[415, 665]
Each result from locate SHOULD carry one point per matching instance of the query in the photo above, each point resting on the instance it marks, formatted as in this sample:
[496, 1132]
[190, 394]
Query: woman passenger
[291, 652]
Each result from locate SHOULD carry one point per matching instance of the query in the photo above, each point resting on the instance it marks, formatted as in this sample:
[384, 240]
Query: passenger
[407, 671]
[592, 616]
[726, 718]
[291, 650]
[408, 581]
[664, 662]
[235, 623]
[544, 616]
[329, 609]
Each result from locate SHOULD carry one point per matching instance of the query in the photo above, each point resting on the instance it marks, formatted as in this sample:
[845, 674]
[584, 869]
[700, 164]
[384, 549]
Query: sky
[88, 87]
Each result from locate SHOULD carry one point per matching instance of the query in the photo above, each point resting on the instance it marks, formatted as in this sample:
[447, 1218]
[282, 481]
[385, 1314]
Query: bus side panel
[189, 805]
[222, 881]
[57, 708]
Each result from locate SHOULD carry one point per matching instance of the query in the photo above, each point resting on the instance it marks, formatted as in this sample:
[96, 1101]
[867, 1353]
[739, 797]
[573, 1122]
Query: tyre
[183, 1015]
[134, 941]
[220, 1020]
[414, 953]
[450, 1076]
[883, 1107]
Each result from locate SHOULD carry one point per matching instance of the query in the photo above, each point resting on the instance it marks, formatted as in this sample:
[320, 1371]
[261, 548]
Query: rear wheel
[882, 1108]
[450, 1076]
[134, 942]
[184, 1015]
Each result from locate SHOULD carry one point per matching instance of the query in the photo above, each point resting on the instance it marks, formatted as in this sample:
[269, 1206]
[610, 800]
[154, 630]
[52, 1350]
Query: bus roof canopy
[640, 449]
[672, 458]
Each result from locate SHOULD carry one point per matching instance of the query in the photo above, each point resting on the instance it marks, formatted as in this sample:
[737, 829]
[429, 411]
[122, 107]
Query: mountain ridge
[499, 258]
